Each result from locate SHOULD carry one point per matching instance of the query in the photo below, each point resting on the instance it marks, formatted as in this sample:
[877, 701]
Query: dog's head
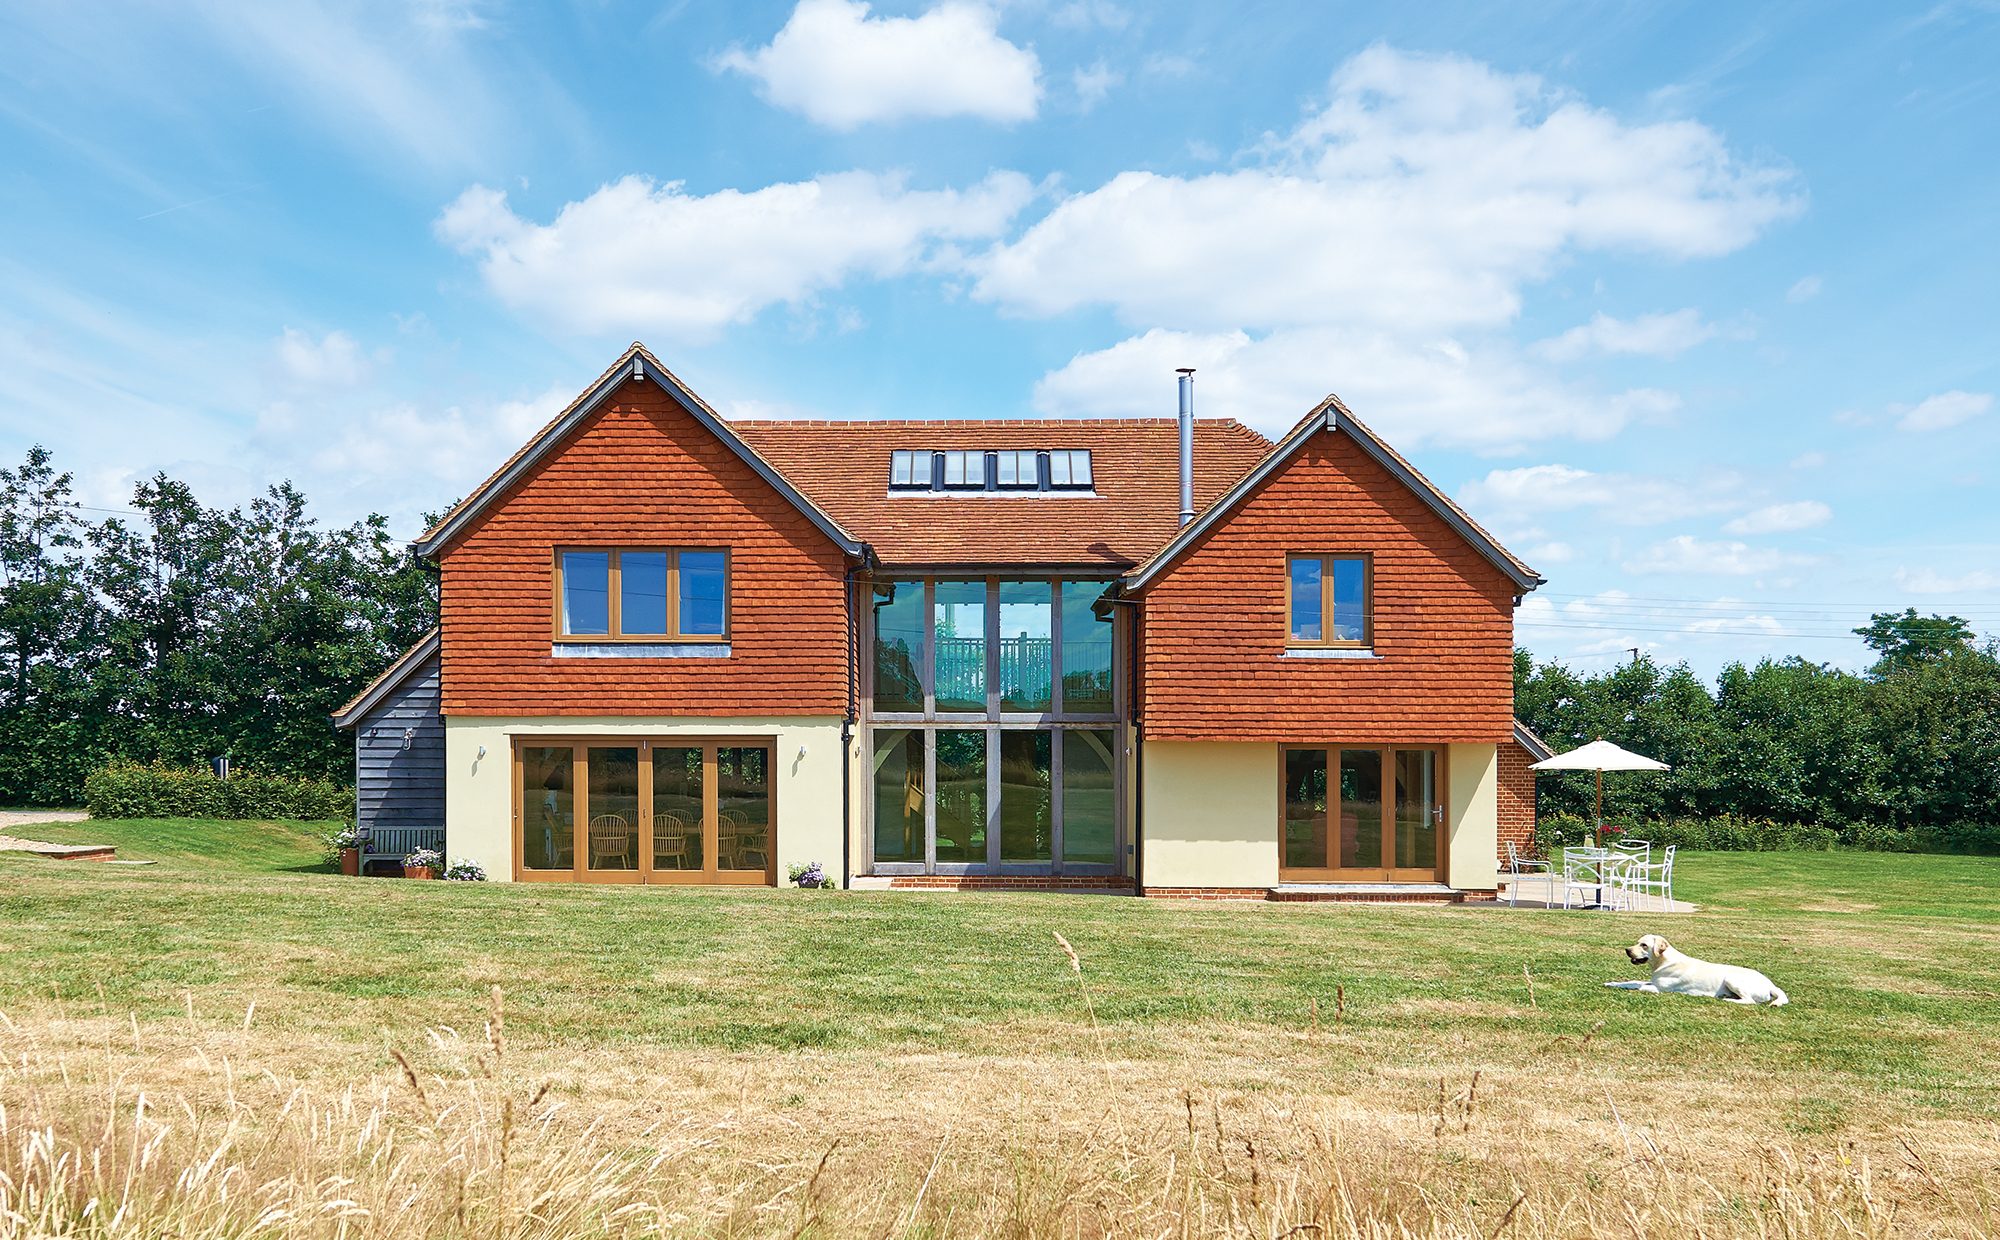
[1650, 949]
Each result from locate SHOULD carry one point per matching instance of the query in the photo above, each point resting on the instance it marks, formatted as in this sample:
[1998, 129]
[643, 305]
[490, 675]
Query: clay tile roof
[843, 467]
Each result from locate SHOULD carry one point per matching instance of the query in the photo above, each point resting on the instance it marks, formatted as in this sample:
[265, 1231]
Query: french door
[1362, 814]
[617, 810]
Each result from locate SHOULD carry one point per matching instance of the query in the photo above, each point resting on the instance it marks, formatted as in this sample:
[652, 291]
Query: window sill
[1330, 652]
[639, 650]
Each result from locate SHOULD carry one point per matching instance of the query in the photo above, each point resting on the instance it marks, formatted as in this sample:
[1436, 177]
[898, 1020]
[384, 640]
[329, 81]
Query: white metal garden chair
[1592, 875]
[1641, 879]
[1638, 850]
[1520, 868]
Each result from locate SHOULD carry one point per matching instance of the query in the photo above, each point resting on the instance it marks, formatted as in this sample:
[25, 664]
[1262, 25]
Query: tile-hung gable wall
[1214, 664]
[643, 473]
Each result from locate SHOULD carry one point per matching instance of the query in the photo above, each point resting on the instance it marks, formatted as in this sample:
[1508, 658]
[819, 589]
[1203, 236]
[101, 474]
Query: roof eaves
[637, 362]
[1537, 748]
[389, 681]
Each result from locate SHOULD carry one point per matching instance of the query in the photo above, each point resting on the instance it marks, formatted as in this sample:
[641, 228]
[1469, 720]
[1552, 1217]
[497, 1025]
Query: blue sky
[1696, 306]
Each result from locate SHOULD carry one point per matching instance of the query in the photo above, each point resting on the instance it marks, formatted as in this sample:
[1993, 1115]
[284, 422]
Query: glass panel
[548, 808]
[899, 645]
[960, 625]
[642, 592]
[1079, 467]
[1360, 809]
[961, 794]
[586, 592]
[704, 585]
[1350, 600]
[1305, 809]
[677, 808]
[614, 807]
[1027, 803]
[899, 795]
[1016, 470]
[743, 808]
[1416, 799]
[1306, 608]
[1058, 469]
[1086, 669]
[1027, 645]
[902, 471]
[1090, 805]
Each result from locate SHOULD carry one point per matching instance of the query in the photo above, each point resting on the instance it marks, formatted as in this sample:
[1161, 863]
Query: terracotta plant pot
[419, 871]
[350, 862]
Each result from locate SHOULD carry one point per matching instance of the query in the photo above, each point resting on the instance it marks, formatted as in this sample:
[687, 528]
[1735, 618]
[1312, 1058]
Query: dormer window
[1070, 471]
[965, 471]
[1016, 471]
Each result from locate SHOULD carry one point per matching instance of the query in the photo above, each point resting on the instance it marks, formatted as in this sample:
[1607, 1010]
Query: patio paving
[42, 848]
[1536, 893]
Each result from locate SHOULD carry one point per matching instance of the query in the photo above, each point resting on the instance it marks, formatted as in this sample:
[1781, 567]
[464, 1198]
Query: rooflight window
[1070, 469]
[964, 470]
[1016, 471]
[905, 470]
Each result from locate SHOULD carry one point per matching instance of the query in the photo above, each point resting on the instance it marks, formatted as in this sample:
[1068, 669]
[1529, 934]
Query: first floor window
[668, 594]
[1330, 600]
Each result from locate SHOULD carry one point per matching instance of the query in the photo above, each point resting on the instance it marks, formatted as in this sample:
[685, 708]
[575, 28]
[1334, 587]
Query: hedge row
[130, 790]
[1732, 834]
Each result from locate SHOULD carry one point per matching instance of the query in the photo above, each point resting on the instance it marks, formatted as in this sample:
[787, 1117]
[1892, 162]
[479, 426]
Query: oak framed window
[641, 594]
[1330, 601]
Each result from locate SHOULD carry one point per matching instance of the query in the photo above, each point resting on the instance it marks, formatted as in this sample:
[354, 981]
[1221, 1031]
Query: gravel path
[17, 817]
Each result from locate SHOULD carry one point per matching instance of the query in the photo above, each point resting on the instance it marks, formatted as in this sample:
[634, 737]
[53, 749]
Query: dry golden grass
[110, 1128]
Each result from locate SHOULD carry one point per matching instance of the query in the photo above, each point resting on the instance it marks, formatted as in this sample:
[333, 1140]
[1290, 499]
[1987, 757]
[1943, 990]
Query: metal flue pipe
[1187, 443]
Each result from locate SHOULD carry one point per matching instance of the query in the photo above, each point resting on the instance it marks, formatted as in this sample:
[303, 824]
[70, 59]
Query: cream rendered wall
[1472, 776]
[479, 794]
[1211, 814]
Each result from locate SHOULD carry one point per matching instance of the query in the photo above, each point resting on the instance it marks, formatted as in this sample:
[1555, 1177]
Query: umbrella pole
[1598, 826]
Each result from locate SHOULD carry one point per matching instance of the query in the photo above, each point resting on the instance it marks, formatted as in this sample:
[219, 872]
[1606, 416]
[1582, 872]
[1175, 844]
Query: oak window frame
[614, 604]
[1326, 641]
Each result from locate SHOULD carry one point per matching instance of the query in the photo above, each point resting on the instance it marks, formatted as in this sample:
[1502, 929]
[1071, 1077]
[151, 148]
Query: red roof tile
[843, 467]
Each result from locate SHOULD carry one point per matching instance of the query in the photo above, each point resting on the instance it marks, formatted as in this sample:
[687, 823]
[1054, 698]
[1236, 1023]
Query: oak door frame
[1441, 765]
[580, 871]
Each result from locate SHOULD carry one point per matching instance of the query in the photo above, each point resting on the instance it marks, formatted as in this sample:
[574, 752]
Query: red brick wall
[1214, 625]
[643, 472]
[1517, 799]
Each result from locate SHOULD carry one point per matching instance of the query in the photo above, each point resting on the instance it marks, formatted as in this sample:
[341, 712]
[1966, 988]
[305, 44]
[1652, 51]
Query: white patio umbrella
[1600, 755]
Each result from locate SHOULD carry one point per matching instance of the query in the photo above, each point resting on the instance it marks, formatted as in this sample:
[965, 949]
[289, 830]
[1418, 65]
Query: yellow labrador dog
[1678, 974]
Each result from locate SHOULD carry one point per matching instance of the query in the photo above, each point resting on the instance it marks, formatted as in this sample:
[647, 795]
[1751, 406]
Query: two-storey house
[1159, 654]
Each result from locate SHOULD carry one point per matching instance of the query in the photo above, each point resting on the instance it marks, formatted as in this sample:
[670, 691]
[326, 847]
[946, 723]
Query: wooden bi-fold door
[670, 810]
[1362, 814]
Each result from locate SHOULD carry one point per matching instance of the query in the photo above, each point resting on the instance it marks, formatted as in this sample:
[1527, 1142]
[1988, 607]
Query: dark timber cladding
[399, 744]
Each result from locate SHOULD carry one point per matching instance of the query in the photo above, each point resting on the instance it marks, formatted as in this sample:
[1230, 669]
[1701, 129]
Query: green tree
[1908, 640]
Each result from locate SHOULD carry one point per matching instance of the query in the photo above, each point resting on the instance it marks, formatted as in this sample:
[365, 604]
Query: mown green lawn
[1888, 959]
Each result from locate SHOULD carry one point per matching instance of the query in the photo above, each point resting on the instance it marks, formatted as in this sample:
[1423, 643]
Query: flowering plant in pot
[423, 863]
[811, 876]
[343, 849]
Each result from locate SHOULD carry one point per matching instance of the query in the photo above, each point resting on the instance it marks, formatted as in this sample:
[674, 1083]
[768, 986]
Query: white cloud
[1649, 335]
[458, 446]
[1084, 14]
[1094, 83]
[1808, 460]
[640, 256]
[1781, 518]
[1943, 411]
[1624, 499]
[1805, 290]
[1765, 625]
[1550, 553]
[1685, 553]
[842, 68]
[1931, 581]
[335, 360]
[1414, 392]
[1421, 198]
